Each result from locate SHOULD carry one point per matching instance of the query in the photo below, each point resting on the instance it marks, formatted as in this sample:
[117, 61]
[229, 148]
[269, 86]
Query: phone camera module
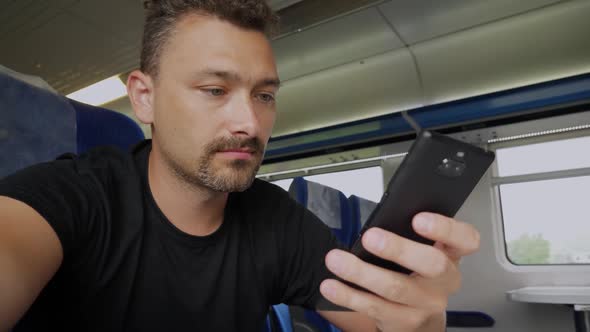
[451, 168]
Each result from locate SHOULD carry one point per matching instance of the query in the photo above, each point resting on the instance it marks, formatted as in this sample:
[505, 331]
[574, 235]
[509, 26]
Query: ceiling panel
[374, 86]
[540, 46]
[120, 19]
[20, 18]
[311, 12]
[420, 20]
[337, 42]
[68, 53]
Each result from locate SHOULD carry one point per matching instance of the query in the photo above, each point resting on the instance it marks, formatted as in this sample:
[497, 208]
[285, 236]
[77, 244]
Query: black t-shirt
[126, 267]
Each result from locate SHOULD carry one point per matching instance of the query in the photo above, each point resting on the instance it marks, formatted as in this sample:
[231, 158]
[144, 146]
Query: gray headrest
[324, 202]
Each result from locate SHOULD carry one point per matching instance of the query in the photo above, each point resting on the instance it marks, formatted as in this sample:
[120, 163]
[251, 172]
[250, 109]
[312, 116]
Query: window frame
[501, 246]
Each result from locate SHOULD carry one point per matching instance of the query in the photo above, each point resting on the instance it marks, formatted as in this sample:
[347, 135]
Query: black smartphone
[437, 175]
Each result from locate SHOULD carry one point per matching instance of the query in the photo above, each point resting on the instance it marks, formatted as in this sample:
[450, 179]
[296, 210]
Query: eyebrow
[233, 76]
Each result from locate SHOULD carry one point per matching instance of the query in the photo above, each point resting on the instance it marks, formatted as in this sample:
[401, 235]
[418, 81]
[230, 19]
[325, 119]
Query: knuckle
[396, 249]
[415, 320]
[346, 299]
[447, 229]
[351, 271]
[373, 310]
[392, 249]
[395, 291]
[361, 275]
[440, 264]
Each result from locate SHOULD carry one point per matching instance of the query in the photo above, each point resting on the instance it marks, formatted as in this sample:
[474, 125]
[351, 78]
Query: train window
[546, 222]
[285, 183]
[544, 157]
[546, 216]
[364, 182]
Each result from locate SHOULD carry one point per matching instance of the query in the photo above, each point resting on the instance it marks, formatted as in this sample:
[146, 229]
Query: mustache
[235, 143]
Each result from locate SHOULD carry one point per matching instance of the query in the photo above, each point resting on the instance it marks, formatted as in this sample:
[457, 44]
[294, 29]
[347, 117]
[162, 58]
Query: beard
[224, 175]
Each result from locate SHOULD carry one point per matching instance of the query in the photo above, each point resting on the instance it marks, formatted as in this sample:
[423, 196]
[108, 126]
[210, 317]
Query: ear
[140, 91]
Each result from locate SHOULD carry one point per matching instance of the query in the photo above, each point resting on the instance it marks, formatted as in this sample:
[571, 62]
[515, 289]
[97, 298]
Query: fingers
[425, 260]
[460, 238]
[382, 311]
[391, 286]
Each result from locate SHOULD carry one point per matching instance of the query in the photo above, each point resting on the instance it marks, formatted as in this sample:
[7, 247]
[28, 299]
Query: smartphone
[437, 175]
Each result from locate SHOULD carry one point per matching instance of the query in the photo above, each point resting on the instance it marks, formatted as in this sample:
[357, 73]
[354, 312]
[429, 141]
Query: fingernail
[423, 223]
[375, 239]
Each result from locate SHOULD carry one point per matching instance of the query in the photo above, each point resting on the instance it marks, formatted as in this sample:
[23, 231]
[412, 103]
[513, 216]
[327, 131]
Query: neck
[192, 209]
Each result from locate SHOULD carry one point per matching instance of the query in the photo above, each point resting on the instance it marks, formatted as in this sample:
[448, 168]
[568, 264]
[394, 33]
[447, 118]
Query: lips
[243, 154]
[239, 151]
[235, 147]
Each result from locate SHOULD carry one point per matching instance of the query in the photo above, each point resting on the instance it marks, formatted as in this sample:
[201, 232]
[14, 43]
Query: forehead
[199, 40]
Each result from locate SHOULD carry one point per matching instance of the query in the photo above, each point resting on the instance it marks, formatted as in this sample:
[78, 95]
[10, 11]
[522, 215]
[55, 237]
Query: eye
[266, 98]
[215, 92]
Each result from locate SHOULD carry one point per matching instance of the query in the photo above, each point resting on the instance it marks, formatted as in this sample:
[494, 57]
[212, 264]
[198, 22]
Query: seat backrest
[278, 319]
[328, 204]
[36, 125]
[361, 210]
[99, 126]
[332, 208]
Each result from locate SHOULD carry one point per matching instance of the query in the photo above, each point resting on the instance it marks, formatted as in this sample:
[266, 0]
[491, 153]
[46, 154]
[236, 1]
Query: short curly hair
[161, 16]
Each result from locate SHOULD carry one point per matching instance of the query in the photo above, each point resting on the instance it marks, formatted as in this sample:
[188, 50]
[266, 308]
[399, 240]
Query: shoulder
[79, 173]
[100, 159]
[76, 195]
[261, 193]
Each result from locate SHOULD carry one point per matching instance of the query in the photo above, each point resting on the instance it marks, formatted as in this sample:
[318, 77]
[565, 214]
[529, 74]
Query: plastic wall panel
[420, 20]
[483, 268]
[532, 48]
[379, 85]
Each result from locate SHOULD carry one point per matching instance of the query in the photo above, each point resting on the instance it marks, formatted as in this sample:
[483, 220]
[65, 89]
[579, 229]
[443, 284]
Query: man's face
[214, 102]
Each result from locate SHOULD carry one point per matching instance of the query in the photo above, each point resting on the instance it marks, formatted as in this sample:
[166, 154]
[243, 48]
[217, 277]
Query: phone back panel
[437, 175]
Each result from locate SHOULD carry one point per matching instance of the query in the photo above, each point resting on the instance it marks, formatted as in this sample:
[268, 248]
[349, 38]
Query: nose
[242, 117]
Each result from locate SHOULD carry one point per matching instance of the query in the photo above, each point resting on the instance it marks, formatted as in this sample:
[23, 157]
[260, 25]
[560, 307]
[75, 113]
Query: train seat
[361, 210]
[328, 204]
[331, 207]
[37, 125]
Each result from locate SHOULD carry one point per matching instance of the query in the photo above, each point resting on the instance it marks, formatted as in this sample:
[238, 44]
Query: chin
[242, 187]
[229, 176]
[231, 180]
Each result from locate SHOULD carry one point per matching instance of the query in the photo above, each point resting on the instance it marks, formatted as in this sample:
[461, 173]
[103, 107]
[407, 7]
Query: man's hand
[400, 302]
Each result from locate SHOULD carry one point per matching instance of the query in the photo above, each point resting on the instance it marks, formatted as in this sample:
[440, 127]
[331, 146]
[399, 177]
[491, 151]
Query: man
[178, 235]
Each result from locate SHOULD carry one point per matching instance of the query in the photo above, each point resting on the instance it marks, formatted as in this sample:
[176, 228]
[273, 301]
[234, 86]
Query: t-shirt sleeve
[305, 242]
[60, 194]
